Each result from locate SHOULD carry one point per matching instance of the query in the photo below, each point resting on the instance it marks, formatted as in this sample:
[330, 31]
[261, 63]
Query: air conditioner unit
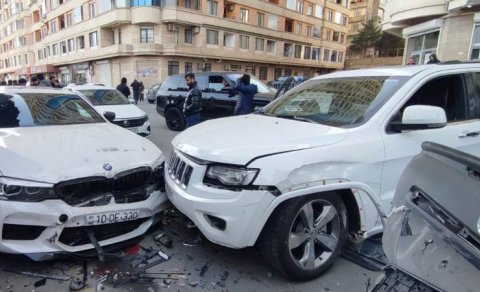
[196, 29]
[171, 27]
[201, 65]
[228, 67]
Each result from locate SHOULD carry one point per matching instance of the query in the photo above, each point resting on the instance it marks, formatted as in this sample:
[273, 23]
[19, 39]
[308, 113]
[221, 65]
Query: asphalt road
[194, 263]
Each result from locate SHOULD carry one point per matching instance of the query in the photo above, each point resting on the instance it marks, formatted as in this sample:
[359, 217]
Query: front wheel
[174, 119]
[305, 235]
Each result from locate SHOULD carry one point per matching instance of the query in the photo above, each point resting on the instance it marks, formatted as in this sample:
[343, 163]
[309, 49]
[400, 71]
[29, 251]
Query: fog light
[63, 218]
[216, 222]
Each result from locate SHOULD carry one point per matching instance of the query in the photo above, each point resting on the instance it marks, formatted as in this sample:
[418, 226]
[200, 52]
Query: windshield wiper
[297, 118]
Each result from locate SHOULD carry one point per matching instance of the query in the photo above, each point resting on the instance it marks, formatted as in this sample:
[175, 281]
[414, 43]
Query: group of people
[432, 59]
[35, 80]
[137, 88]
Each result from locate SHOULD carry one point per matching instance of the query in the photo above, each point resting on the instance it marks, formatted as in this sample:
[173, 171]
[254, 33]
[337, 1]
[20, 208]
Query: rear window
[105, 96]
[174, 83]
[262, 88]
[29, 110]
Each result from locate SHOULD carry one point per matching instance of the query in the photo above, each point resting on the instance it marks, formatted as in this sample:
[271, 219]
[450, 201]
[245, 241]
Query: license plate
[113, 217]
[134, 130]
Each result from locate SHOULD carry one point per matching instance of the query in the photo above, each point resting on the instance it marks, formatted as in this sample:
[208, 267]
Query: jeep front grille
[179, 171]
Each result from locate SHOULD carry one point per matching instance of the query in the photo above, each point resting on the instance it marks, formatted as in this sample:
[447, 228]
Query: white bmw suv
[321, 163]
[69, 179]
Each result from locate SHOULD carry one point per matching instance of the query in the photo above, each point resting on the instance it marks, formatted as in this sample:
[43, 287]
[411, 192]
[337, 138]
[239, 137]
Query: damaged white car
[70, 181]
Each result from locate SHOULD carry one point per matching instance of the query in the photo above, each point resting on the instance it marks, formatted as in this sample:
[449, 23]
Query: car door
[222, 102]
[449, 92]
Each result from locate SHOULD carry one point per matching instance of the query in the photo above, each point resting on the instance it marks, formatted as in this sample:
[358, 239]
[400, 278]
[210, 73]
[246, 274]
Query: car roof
[30, 89]
[88, 87]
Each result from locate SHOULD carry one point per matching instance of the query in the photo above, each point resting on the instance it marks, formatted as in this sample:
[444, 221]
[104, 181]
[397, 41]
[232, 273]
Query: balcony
[408, 13]
[114, 17]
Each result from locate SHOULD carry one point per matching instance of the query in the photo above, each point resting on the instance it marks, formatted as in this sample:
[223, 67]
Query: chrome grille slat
[179, 170]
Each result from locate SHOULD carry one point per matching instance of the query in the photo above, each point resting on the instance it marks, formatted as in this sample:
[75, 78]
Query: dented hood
[238, 140]
[56, 153]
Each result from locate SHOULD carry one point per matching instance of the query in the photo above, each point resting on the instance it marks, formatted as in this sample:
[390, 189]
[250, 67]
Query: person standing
[432, 59]
[22, 82]
[193, 102]
[123, 87]
[142, 88]
[42, 81]
[247, 92]
[136, 90]
[411, 61]
[33, 81]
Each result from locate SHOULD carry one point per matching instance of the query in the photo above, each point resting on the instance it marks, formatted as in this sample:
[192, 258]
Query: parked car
[69, 179]
[277, 82]
[309, 170]
[218, 100]
[432, 240]
[152, 93]
[127, 115]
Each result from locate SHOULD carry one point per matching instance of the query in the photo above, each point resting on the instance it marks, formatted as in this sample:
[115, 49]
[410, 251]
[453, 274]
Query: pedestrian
[193, 102]
[10, 82]
[3, 83]
[22, 82]
[432, 59]
[136, 90]
[54, 82]
[142, 88]
[34, 81]
[15, 82]
[123, 87]
[247, 91]
[42, 81]
[411, 61]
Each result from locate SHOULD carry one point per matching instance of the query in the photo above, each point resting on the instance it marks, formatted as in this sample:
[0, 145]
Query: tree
[387, 43]
[366, 38]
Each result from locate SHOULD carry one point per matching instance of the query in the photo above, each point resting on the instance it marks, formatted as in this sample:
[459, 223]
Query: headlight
[25, 192]
[232, 176]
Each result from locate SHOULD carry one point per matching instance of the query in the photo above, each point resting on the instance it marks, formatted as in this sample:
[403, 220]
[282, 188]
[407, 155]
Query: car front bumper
[52, 226]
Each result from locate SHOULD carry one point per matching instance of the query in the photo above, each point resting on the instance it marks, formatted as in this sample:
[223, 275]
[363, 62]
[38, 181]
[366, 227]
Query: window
[175, 37]
[111, 36]
[473, 102]
[342, 38]
[475, 50]
[287, 50]
[273, 21]
[69, 19]
[329, 15]
[61, 21]
[91, 10]
[188, 36]
[93, 39]
[26, 59]
[326, 55]
[298, 28]
[340, 57]
[173, 68]
[250, 70]
[229, 40]
[298, 51]
[317, 31]
[277, 72]
[310, 9]
[119, 36]
[271, 46]
[263, 72]
[315, 54]
[81, 42]
[212, 7]
[243, 15]
[40, 54]
[260, 19]
[146, 34]
[54, 49]
[188, 67]
[420, 47]
[336, 36]
[78, 14]
[53, 26]
[244, 42]
[71, 45]
[318, 11]
[300, 6]
[328, 35]
[192, 4]
[106, 5]
[333, 56]
[343, 20]
[259, 44]
[63, 45]
[204, 67]
[307, 52]
[135, 3]
[212, 37]
[291, 4]
[309, 31]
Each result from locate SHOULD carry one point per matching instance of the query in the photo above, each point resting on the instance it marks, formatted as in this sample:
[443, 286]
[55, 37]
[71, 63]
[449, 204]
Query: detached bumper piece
[398, 281]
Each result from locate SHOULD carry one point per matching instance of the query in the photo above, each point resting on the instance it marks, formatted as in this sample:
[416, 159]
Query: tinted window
[473, 102]
[174, 83]
[335, 102]
[105, 96]
[39, 109]
[262, 88]
[215, 83]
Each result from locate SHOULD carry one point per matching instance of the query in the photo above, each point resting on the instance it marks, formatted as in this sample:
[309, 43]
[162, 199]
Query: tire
[151, 101]
[285, 242]
[175, 119]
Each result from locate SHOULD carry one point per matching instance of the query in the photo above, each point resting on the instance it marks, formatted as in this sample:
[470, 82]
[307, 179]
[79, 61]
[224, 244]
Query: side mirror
[421, 117]
[110, 116]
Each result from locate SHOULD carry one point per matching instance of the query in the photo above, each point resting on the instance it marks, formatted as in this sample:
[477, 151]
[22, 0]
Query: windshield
[262, 88]
[105, 96]
[40, 109]
[337, 102]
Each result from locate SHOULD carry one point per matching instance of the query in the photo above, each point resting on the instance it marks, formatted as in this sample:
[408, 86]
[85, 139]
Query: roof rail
[453, 62]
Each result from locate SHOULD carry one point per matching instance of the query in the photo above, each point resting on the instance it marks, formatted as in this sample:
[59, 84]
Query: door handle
[469, 134]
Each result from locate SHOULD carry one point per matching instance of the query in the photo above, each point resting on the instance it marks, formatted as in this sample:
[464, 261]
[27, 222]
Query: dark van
[218, 100]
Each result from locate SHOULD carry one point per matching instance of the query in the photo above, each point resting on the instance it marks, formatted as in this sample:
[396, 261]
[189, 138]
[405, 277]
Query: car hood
[57, 153]
[238, 140]
[122, 111]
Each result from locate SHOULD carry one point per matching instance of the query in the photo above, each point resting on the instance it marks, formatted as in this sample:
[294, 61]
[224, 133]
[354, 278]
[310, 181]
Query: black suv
[218, 100]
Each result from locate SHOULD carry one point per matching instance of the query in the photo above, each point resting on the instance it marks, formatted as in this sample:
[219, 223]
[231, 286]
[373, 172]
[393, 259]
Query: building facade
[101, 41]
[363, 11]
[448, 28]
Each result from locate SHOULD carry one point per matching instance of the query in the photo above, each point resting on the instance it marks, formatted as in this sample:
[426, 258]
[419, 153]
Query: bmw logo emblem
[126, 124]
[107, 167]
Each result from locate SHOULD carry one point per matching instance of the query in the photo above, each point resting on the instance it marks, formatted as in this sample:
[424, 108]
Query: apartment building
[448, 28]
[103, 40]
[363, 11]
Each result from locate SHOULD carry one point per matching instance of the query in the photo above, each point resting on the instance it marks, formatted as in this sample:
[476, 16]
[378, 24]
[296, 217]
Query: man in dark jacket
[123, 87]
[193, 102]
[247, 91]
[136, 90]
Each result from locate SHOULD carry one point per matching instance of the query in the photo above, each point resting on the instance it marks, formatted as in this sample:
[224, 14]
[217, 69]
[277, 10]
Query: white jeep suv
[321, 163]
